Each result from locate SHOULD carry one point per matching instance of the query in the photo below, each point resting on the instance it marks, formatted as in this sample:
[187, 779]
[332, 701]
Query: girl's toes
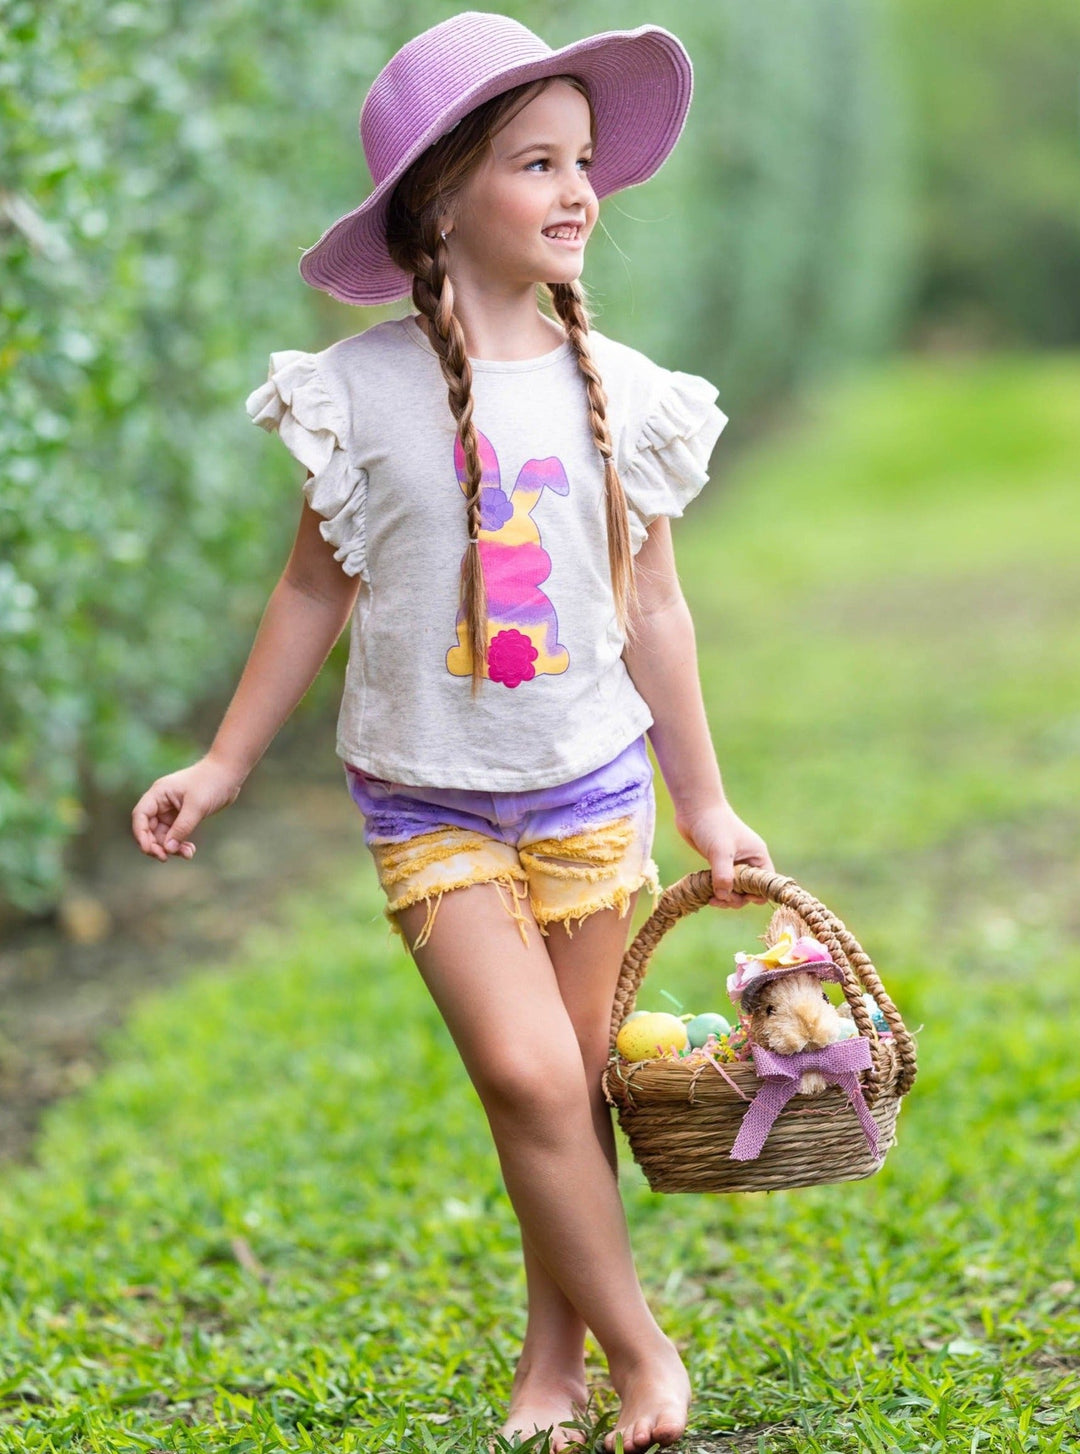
[668, 1429]
[567, 1440]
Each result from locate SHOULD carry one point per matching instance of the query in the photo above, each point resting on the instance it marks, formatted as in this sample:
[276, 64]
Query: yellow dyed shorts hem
[567, 851]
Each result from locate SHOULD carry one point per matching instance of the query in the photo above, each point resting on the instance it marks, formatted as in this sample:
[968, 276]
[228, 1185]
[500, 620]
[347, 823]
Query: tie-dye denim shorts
[569, 850]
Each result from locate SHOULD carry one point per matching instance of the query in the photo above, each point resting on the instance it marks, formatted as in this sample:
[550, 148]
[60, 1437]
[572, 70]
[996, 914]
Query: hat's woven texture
[640, 83]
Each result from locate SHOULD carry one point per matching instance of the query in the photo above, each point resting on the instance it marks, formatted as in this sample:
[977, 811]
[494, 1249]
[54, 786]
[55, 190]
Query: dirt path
[134, 923]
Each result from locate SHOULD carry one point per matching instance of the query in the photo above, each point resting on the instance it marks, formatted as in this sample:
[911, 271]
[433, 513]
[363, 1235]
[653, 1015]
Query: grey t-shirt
[369, 417]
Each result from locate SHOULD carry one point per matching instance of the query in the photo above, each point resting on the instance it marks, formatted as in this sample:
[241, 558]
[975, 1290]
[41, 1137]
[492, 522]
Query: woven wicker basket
[681, 1120]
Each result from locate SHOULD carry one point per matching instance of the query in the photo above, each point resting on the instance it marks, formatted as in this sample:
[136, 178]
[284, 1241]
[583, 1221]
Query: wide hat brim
[640, 83]
[746, 992]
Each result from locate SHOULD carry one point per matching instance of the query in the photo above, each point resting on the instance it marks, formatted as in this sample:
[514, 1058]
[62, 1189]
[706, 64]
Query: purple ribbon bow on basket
[839, 1063]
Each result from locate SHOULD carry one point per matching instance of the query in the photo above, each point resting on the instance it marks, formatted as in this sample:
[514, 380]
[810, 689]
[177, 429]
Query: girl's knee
[534, 1087]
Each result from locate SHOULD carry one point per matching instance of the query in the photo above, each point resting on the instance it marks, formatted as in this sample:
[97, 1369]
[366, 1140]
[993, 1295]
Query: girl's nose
[577, 190]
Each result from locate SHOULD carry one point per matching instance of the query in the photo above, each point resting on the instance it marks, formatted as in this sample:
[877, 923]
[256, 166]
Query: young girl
[488, 498]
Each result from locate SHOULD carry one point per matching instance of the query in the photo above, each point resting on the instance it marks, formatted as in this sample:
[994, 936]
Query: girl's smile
[566, 236]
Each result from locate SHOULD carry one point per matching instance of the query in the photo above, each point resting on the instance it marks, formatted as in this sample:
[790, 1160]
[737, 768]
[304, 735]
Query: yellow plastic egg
[647, 1036]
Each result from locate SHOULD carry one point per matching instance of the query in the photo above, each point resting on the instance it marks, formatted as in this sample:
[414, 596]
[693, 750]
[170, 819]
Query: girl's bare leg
[518, 1038]
[551, 1370]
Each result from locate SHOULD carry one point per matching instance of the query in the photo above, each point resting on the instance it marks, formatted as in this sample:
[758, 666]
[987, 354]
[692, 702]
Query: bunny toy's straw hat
[790, 955]
[639, 81]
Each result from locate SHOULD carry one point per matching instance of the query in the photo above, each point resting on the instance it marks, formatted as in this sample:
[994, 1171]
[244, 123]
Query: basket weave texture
[681, 1121]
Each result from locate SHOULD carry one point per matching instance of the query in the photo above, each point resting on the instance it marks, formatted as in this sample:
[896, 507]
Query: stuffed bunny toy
[780, 991]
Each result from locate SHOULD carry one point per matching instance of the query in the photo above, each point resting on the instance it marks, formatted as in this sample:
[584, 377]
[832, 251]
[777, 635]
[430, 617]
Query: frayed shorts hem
[512, 885]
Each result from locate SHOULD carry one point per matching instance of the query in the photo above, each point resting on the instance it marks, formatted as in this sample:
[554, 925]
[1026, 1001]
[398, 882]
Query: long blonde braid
[569, 302]
[433, 294]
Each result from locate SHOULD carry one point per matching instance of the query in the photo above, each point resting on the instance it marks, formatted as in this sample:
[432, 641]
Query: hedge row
[144, 258]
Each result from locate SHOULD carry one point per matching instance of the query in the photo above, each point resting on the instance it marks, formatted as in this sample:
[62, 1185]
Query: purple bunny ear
[543, 474]
[489, 461]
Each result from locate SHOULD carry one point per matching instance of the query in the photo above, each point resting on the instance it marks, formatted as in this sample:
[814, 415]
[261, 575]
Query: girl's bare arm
[661, 658]
[304, 616]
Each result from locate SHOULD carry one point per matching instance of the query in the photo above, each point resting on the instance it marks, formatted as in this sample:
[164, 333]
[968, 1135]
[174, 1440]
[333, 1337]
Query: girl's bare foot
[543, 1401]
[655, 1396]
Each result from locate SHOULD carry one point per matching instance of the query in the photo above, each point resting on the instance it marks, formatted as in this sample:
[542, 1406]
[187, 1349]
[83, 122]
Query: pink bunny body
[523, 630]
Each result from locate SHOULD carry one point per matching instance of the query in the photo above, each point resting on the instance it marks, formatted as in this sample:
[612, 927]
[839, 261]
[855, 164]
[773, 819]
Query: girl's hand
[721, 837]
[175, 805]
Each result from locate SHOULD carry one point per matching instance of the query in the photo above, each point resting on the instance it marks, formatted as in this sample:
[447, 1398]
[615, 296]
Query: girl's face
[534, 177]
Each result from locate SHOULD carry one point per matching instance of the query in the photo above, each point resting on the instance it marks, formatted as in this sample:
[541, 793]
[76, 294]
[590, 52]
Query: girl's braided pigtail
[569, 302]
[433, 294]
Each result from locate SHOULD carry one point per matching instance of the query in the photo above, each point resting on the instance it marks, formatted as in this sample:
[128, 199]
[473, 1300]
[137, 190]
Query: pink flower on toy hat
[808, 950]
[748, 968]
[788, 951]
[510, 658]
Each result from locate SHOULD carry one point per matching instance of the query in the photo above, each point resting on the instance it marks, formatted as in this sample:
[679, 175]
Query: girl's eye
[586, 162]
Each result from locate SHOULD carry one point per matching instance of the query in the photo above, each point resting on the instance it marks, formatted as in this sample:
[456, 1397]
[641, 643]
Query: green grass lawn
[277, 1221]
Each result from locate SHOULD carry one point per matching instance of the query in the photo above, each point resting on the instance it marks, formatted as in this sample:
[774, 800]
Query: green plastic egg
[702, 1026]
[633, 1016]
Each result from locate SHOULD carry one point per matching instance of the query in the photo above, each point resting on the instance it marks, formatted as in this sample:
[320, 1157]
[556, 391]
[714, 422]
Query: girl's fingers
[725, 898]
[142, 829]
[152, 825]
[186, 820]
[723, 877]
[166, 816]
[150, 846]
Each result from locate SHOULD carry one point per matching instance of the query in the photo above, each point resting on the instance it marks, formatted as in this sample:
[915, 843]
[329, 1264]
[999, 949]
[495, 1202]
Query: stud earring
[443, 236]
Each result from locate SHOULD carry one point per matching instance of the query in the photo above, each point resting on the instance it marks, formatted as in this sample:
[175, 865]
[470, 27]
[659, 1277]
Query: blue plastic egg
[877, 1014]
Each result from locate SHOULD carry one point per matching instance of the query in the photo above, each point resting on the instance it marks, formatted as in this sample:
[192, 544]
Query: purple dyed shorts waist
[396, 811]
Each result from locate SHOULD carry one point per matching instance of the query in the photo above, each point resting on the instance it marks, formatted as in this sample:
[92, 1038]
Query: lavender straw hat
[640, 82]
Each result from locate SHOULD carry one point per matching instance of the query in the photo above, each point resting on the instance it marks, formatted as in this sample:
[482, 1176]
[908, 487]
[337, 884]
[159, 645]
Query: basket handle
[856, 969]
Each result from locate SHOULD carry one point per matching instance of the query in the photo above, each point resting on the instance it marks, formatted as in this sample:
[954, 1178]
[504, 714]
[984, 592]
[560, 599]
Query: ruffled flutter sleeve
[668, 463]
[295, 402]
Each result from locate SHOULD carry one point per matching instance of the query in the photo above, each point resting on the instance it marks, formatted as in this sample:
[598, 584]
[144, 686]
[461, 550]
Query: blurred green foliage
[151, 176]
[994, 93]
[773, 245]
